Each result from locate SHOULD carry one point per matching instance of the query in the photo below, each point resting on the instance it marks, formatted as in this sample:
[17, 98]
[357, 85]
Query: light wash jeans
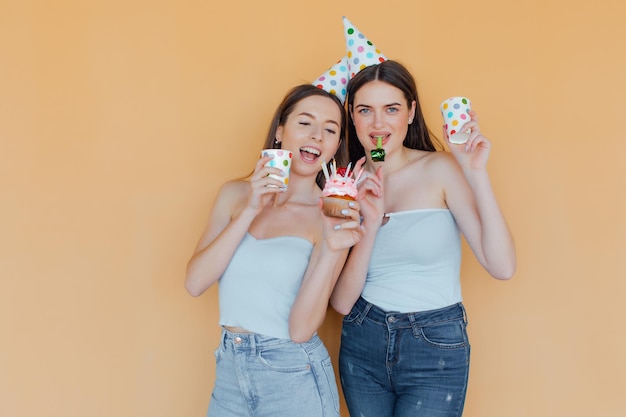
[404, 364]
[259, 376]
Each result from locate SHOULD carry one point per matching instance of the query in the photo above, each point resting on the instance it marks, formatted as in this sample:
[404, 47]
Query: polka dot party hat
[335, 80]
[361, 52]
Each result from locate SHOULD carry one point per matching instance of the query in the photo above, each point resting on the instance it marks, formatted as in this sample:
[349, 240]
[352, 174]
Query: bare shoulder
[232, 195]
[235, 187]
[437, 163]
[439, 158]
[446, 171]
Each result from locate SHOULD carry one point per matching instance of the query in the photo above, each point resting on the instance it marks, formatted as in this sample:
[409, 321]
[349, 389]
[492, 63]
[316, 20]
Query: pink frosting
[337, 185]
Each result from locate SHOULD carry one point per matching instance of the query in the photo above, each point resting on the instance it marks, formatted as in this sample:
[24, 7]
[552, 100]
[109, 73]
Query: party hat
[335, 80]
[361, 52]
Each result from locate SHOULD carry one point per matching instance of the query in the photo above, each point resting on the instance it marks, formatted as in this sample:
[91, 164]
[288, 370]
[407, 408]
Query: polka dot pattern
[361, 51]
[455, 114]
[335, 79]
[282, 160]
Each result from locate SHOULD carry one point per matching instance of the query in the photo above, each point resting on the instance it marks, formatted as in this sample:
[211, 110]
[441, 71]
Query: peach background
[114, 119]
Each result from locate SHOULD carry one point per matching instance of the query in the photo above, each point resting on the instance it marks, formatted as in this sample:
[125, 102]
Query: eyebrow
[386, 105]
[313, 117]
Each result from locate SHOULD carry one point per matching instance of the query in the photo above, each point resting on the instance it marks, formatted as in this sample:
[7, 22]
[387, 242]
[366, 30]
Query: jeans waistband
[252, 342]
[418, 318]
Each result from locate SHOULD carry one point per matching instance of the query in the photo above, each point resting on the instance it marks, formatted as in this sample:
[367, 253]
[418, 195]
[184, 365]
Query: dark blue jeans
[404, 364]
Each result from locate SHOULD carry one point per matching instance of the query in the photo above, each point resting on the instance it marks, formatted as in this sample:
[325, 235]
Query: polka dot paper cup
[455, 114]
[282, 160]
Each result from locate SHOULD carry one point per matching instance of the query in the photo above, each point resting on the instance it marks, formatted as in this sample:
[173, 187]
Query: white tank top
[261, 282]
[415, 265]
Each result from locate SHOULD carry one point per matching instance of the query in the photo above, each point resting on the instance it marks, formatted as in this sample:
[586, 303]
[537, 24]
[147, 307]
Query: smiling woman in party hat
[276, 258]
[404, 345]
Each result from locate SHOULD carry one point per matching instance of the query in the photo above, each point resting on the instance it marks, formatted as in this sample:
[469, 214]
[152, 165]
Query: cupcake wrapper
[334, 205]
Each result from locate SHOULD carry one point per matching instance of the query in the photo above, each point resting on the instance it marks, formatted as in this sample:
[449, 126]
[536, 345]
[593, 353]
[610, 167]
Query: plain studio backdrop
[119, 120]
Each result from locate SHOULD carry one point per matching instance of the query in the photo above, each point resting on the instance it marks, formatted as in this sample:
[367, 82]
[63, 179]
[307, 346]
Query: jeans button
[238, 340]
[391, 319]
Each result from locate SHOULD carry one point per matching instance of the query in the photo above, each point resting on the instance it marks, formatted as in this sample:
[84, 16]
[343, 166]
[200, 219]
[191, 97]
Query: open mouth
[374, 138]
[309, 154]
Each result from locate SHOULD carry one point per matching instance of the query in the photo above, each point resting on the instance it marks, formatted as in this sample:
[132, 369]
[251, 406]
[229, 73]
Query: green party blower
[378, 154]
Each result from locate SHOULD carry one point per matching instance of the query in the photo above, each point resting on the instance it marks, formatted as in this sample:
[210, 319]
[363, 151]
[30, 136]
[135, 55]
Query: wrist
[476, 173]
[329, 252]
[372, 224]
[248, 213]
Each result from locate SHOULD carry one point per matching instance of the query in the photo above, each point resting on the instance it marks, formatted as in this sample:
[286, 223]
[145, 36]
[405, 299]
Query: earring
[276, 144]
[410, 121]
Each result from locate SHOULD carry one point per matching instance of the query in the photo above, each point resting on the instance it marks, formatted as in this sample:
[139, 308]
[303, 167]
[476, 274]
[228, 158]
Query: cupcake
[340, 189]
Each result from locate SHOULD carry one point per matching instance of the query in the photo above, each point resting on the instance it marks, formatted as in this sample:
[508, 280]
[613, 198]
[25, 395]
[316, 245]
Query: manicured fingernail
[345, 212]
[351, 204]
[337, 227]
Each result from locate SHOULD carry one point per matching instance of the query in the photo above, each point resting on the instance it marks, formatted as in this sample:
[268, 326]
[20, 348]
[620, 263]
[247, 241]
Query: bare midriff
[234, 329]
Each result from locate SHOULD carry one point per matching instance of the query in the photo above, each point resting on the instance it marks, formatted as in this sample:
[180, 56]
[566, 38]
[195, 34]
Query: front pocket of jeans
[285, 359]
[351, 316]
[449, 335]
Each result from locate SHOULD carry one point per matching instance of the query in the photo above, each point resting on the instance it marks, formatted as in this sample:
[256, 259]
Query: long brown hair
[391, 72]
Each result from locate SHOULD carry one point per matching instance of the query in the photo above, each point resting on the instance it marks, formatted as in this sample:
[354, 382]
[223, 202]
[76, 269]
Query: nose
[378, 119]
[316, 133]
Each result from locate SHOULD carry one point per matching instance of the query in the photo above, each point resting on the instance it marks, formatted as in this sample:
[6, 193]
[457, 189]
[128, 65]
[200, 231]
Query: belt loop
[414, 324]
[223, 341]
[464, 313]
[363, 313]
[252, 339]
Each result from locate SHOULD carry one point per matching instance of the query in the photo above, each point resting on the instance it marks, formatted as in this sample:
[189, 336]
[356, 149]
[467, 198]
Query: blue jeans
[404, 364]
[268, 377]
